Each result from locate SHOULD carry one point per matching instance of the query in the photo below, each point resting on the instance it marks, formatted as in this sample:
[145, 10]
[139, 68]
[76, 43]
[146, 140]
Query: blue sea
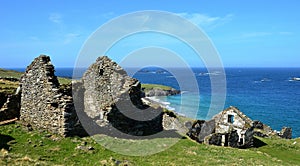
[265, 94]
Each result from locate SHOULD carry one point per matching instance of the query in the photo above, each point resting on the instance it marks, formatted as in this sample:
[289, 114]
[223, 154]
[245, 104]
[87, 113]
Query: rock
[161, 92]
[214, 139]
[85, 148]
[195, 129]
[260, 134]
[200, 129]
[258, 124]
[10, 108]
[172, 123]
[286, 132]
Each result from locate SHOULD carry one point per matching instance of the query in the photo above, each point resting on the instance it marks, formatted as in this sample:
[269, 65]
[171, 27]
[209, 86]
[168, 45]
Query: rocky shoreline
[161, 92]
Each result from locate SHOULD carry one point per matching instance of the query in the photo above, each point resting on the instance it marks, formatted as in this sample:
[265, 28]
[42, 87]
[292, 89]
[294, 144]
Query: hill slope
[22, 147]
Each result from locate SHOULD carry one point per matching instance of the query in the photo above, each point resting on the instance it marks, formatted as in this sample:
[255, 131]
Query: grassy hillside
[7, 86]
[22, 147]
[154, 86]
[10, 73]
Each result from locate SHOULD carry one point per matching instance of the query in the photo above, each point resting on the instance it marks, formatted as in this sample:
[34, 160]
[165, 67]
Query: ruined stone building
[44, 106]
[112, 100]
[228, 128]
[106, 100]
[234, 128]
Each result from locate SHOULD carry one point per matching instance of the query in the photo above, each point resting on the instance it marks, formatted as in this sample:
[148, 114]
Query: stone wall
[43, 105]
[10, 109]
[112, 98]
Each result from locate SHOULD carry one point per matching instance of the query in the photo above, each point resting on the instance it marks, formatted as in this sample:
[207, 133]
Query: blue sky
[246, 34]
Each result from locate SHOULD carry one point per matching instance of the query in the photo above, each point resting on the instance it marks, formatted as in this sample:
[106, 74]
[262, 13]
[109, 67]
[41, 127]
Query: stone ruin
[9, 106]
[232, 128]
[113, 100]
[44, 105]
[106, 99]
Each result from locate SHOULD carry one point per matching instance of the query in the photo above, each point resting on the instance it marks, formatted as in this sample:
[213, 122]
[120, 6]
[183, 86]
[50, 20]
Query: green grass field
[147, 87]
[10, 73]
[10, 86]
[22, 147]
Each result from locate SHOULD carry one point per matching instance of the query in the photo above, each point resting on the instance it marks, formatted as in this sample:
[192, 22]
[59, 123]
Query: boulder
[258, 124]
[286, 132]
[161, 92]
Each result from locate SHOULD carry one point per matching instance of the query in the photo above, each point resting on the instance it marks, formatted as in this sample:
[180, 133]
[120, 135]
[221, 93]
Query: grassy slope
[10, 73]
[9, 87]
[154, 86]
[33, 147]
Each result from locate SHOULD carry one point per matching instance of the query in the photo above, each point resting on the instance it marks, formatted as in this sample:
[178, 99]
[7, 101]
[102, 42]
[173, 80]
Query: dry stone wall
[43, 105]
[112, 98]
[11, 108]
[106, 99]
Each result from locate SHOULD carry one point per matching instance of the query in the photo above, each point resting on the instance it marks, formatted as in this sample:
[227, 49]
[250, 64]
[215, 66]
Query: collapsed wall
[10, 108]
[105, 96]
[113, 99]
[43, 105]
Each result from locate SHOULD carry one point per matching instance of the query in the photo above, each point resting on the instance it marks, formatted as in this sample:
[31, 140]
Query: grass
[10, 73]
[24, 147]
[10, 87]
[155, 86]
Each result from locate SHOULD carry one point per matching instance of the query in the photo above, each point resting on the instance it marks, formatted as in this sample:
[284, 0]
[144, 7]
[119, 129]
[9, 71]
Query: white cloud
[255, 34]
[206, 21]
[264, 34]
[286, 33]
[108, 15]
[34, 38]
[55, 18]
[70, 37]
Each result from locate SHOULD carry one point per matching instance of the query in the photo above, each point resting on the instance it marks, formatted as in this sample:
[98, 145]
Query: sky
[245, 33]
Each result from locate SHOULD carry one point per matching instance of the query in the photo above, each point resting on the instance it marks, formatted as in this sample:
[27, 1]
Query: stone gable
[43, 105]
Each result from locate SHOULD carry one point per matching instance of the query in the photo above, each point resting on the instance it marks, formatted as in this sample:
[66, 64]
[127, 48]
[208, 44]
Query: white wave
[215, 73]
[182, 92]
[163, 104]
[170, 108]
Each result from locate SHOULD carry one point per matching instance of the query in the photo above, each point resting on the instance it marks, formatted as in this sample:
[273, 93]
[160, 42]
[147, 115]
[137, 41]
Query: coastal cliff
[151, 90]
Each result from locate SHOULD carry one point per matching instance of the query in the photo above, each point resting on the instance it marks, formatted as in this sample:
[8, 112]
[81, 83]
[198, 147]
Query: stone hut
[235, 128]
[44, 105]
[228, 128]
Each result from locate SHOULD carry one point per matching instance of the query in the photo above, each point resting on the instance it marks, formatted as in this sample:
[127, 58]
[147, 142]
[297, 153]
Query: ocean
[266, 94]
